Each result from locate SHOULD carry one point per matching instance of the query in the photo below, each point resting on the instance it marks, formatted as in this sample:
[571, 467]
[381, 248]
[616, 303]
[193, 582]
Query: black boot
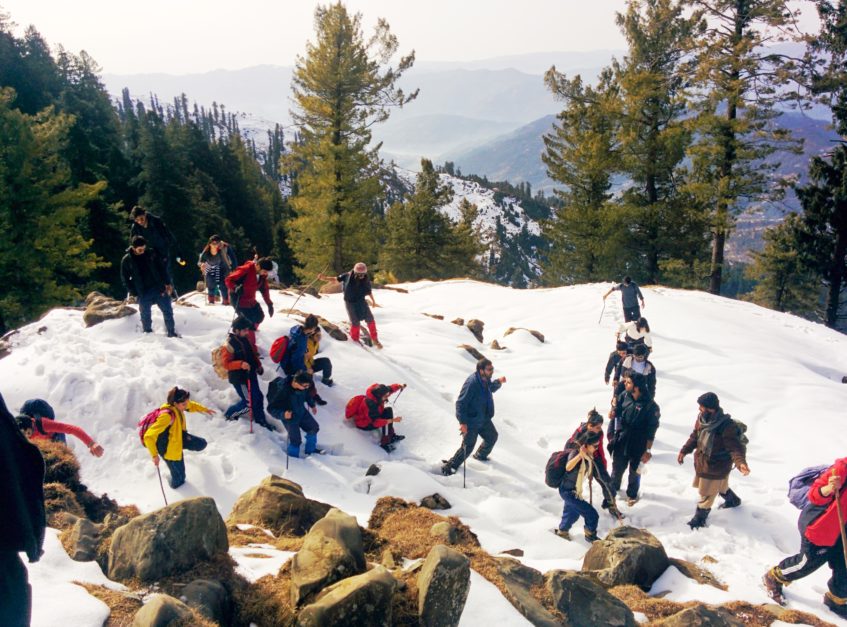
[699, 519]
[730, 499]
[836, 604]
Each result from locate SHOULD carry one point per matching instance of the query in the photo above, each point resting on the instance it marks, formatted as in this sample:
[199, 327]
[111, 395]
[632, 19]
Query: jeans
[307, 423]
[15, 591]
[631, 313]
[163, 302]
[324, 366]
[620, 463]
[177, 467]
[257, 398]
[574, 508]
[488, 434]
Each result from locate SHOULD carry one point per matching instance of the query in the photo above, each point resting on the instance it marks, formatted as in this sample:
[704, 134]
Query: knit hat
[709, 400]
[360, 268]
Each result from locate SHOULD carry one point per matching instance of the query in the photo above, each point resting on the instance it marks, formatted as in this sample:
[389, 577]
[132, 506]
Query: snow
[775, 372]
[257, 560]
[487, 606]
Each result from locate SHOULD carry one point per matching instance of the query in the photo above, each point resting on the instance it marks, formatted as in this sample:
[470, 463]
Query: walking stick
[250, 400]
[464, 463]
[303, 291]
[602, 312]
[162, 485]
[287, 438]
[397, 398]
[841, 521]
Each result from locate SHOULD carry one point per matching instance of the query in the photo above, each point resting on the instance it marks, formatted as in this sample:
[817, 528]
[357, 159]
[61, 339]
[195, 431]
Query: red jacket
[825, 530]
[246, 275]
[370, 412]
[51, 426]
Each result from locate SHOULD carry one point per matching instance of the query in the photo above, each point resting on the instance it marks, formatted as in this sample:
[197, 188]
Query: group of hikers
[717, 441]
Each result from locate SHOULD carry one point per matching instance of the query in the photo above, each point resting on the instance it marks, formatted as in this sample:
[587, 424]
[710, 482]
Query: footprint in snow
[542, 442]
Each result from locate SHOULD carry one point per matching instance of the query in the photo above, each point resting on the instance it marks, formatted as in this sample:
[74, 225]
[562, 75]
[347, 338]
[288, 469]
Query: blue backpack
[799, 485]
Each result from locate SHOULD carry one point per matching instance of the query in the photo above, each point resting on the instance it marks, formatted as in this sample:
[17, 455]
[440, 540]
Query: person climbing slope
[356, 287]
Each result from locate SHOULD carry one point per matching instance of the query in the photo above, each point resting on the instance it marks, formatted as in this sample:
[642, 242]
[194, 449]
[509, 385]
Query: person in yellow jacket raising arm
[167, 435]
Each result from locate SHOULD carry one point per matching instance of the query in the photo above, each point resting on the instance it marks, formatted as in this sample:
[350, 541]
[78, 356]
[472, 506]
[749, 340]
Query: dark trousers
[621, 463]
[810, 558]
[631, 313]
[357, 312]
[322, 365]
[489, 437]
[574, 508]
[304, 421]
[163, 302]
[15, 591]
[215, 285]
[256, 402]
[177, 467]
[386, 431]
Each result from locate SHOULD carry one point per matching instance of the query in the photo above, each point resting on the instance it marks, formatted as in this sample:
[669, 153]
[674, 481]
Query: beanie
[709, 400]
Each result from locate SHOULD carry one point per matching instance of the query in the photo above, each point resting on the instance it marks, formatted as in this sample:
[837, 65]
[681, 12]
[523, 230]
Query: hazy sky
[182, 36]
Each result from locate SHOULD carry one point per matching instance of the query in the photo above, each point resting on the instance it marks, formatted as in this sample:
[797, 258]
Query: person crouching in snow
[717, 445]
[581, 468]
[373, 414]
[303, 343]
[45, 429]
[168, 436]
[289, 401]
[357, 286]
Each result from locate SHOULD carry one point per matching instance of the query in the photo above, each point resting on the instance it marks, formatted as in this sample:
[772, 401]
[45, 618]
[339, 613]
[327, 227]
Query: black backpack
[276, 394]
[554, 471]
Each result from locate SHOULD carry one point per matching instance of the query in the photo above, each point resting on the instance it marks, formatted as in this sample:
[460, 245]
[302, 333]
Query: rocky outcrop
[476, 354]
[458, 322]
[476, 327]
[279, 505]
[332, 550]
[701, 616]
[443, 585]
[627, 556]
[518, 579]
[171, 540]
[83, 540]
[210, 599]
[99, 308]
[444, 532]
[495, 345]
[363, 600]
[582, 601]
[162, 610]
[536, 334]
[435, 316]
[698, 574]
[435, 501]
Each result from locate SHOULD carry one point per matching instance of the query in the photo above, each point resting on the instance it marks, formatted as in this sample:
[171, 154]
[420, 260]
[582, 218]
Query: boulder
[333, 330]
[582, 601]
[698, 574]
[536, 334]
[170, 540]
[209, 598]
[363, 600]
[476, 326]
[372, 470]
[701, 616]
[495, 345]
[99, 308]
[476, 354]
[332, 550]
[435, 316]
[458, 321]
[445, 532]
[5, 348]
[518, 579]
[279, 505]
[435, 501]
[443, 585]
[515, 552]
[83, 540]
[160, 611]
[627, 556]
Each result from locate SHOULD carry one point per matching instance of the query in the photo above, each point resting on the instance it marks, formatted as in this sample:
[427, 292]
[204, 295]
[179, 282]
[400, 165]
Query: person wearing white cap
[357, 286]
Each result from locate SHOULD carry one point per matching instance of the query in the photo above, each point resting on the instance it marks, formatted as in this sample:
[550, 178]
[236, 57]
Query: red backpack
[355, 406]
[148, 420]
[278, 349]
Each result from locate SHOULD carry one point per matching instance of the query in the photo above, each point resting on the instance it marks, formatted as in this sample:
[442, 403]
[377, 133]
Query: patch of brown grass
[245, 537]
[122, 605]
[761, 615]
[290, 543]
[58, 498]
[404, 604]
[265, 602]
[653, 608]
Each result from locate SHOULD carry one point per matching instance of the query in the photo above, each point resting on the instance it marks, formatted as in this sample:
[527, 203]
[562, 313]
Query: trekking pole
[841, 521]
[162, 485]
[287, 438]
[303, 291]
[602, 312]
[464, 464]
[397, 398]
[250, 401]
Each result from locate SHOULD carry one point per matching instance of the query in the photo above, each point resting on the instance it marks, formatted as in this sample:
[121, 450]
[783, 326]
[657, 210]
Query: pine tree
[341, 88]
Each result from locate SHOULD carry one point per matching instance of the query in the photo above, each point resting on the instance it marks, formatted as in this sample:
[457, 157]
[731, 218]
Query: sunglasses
[360, 275]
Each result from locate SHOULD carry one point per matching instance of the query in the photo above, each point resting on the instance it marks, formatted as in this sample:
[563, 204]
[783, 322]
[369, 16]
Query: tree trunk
[836, 280]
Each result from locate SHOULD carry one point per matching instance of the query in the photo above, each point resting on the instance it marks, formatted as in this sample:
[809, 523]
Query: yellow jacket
[174, 418]
[311, 350]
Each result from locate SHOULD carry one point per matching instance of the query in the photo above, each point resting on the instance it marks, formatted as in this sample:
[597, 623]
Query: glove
[260, 370]
[270, 311]
[611, 445]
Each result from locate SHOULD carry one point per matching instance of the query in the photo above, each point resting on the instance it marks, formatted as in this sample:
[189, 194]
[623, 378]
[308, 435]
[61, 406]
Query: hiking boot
[563, 533]
[328, 382]
[376, 343]
[591, 536]
[236, 415]
[447, 469]
[320, 401]
[773, 587]
[730, 499]
[266, 425]
[631, 501]
[480, 457]
[699, 519]
[836, 604]
[397, 438]
[173, 334]
[316, 451]
[388, 448]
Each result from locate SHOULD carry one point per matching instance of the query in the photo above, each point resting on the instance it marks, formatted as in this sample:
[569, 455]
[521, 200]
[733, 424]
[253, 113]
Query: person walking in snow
[638, 363]
[289, 401]
[630, 294]
[717, 446]
[168, 436]
[634, 422]
[216, 261]
[45, 429]
[145, 277]
[156, 233]
[821, 541]
[23, 520]
[635, 332]
[475, 411]
[371, 413]
[243, 283]
[613, 364]
[357, 286]
[594, 424]
[241, 361]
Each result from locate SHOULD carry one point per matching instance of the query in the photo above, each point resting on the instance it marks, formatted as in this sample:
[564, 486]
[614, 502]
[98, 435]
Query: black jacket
[355, 289]
[634, 424]
[145, 272]
[599, 475]
[282, 397]
[650, 375]
[242, 350]
[613, 365]
[157, 234]
[23, 519]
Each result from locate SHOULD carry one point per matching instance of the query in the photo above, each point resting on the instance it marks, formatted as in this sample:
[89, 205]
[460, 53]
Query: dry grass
[245, 537]
[58, 498]
[266, 602]
[123, 606]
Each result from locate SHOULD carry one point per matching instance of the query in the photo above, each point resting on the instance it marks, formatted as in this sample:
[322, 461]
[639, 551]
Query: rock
[160, 611]
[443, 586]
[582, 601]
[331, 551]
[709, 559]
[536, 334]
[331, 287]
[495, 345]
[333, 330]
[472, 351]
[843, 379]
[476, 326]
[209, 598]
[515, 552]
[362, 600]
[458, 321]
[83, 540]
[99, 308]
[435, 501]
[388, 560]
[5, 348]
[200, 286]
[627, 556]
[701, 616]
[436, 316]
[518, 580]
[445, 532]
[279, 505]
[372, 470]
[170, 540]
[698, 574]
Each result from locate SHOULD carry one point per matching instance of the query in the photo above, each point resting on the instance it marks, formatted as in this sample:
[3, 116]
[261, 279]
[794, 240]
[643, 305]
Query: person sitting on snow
[371, 413]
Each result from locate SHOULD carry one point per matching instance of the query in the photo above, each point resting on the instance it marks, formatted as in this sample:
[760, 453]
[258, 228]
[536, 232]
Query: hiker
[153, 229]
[630, 293]
[44, 429]
[39, 408]
[634, 333]
[638, 363]
[613, 365]
[717, 446]
[144, 275]
[241, 361]
[303, 343]
[357, 286]
[635, 419]
[216, 261]
[474, 411]
[23, 521]
[243, 283]
[371, 413]
[168, 435]
[593, 424]
[289, 401]
[821, 541]
[581, 468]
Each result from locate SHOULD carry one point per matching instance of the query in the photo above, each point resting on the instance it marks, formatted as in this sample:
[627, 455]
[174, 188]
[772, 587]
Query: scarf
[489, 397]
[708, 429]
[586, 468]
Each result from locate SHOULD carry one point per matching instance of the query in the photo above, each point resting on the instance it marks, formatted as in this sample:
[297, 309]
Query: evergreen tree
[341, 88]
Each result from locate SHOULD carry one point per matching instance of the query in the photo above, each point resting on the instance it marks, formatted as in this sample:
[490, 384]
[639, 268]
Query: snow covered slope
[779, 374]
